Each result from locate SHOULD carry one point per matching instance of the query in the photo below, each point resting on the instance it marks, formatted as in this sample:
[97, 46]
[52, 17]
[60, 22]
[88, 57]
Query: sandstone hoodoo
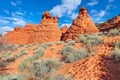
[46, 31]
[113, 23]
[82, 24]
[64, 29]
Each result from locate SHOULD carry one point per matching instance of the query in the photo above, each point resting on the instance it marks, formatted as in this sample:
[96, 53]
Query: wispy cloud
[74, 15]
[5, 29]
[6, 11]
[16, 21]
[67, 24]
[17, 14]
[92, 3]
[66, 7]
[4, 21]
[98, 15]
[111, 1]
[15, 3]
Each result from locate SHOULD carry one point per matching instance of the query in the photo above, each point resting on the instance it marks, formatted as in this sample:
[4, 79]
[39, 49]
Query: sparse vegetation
[61, 77]
[59, 43]
[41, 70]
[116, 52]
[12, 77]
[90, 40]
[71, 55]
[70, 42]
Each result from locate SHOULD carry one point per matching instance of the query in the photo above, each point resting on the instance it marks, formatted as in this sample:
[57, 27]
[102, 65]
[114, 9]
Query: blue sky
[20, 12]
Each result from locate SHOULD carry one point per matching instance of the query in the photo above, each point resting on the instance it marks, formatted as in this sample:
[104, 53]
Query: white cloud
[15, 3]
[67, 24]
[19, 22]
[17, 14]
[92, 3]
[111, 1]
[6, 11]
[5, 29]
[66, 7]
[98, 15]
[4, 22]
[15, 21]
[102, 13]
[74, 15]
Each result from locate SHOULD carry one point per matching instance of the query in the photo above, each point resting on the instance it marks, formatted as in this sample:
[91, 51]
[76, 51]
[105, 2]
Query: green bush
[23, 65]
[70, 42]
[113, 32]
[41, 69]
[61, 77]
[116, 53]
[39, 53]
[90, 40]
[70, 54]
[12, 77]
[59, 43]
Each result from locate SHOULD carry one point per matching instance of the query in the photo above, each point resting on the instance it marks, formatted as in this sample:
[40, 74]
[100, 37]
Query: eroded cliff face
[46, 31]
[82, 24]
[113, 23]
[64, 29]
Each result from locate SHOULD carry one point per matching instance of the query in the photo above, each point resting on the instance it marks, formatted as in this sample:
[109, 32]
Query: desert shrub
[3, 65]
[39, 53]
[61, 77]
[90, 40]
[113, 32]
[70, 54]
[67, 50]
[116, 51]
[70, 42]
[0, 34]
[75, 55]
[12, 77]
[23, 65]
[59, 42]
[45, 45]
[42, 69]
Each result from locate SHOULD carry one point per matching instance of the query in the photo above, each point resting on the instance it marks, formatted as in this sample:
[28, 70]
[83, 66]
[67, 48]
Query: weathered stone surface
[46, 31]
[113, 23]
[64, 29]
[82, 24]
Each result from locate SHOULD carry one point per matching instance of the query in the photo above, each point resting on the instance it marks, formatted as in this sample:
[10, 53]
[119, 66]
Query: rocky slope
[46, 31]
[113, 23]
[82, 24]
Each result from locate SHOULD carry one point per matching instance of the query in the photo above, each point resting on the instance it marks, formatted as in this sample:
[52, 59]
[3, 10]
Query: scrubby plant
[116, 51]
[23, 65]
[113, 32]
[61, 77]
[59, 42]
[12, 77]
[45, 45]
[39, 53]
[75, 55]
[70, 54]
[70, 42]
[41, 70]
[90, 40]
[0, 34]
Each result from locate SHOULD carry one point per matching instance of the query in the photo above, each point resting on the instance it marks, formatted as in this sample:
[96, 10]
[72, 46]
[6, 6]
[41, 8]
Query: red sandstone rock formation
[46, 31]
[113, 23]
[64, 29]
[82, 24]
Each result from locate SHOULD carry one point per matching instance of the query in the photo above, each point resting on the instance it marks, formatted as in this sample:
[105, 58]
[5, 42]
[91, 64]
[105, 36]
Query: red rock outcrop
[64, 29]
[82, 24]
[46, 31]
[113, 23]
